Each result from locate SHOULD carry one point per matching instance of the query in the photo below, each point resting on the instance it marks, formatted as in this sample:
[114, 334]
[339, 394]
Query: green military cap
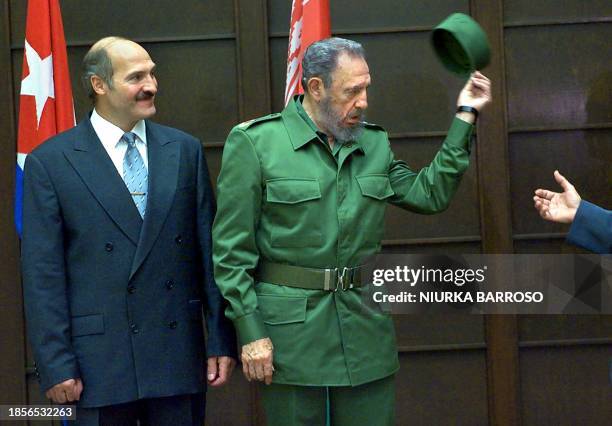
[461, 44]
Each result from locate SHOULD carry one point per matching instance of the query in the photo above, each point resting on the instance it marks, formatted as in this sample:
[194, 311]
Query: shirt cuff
[250, 327]
[460, 134]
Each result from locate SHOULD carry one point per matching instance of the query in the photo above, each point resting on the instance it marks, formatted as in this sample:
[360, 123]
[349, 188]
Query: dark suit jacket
[592, 228]
[110, 298]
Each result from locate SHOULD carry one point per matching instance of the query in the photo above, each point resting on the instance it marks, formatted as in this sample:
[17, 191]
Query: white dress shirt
[110, 136]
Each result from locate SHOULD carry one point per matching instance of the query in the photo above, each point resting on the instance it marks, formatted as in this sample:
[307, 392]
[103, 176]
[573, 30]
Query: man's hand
[67, 391]
[558, 207]
[219, 370]
[257, 360]
[476, 93]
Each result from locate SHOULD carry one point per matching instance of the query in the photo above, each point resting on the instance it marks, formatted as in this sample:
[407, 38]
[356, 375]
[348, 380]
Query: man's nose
[362, 102]
[150, 84]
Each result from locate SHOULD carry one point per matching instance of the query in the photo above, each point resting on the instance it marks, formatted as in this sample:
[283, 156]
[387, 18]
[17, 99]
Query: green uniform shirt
[284, 197]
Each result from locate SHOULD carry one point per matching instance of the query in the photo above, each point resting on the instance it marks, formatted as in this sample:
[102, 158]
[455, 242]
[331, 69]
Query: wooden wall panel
[462, 217]
[430, 331]
[452, 246]
[549, 243]
[87, 21]
[197, 94]
[566, 386]
[559, 75]
[213, 160]
[540, 329]
[525, 11]
[442, 388]
[582, 156]
[348, 15]
[229, 405]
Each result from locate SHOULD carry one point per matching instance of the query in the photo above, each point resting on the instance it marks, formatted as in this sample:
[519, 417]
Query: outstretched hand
[555, 206]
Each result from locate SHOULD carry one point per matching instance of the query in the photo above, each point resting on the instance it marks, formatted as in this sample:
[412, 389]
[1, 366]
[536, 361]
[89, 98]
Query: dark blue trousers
[179, 410]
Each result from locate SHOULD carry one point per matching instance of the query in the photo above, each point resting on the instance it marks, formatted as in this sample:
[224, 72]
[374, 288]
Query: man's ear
[316, 88]
[98, 85]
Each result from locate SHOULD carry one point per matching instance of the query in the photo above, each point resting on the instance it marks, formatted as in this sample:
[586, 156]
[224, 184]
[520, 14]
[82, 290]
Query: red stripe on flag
[45, 43]
[310, 22]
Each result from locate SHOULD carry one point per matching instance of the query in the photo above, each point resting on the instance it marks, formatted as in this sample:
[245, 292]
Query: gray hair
[321, 58]
[97, 62]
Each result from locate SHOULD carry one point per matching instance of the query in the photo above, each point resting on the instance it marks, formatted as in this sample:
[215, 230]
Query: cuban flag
[45, 102]
[310, 22]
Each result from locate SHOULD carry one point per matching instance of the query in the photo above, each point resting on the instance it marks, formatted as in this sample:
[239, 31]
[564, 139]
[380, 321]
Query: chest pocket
[375, 186]
[375, 189]
[292, 212]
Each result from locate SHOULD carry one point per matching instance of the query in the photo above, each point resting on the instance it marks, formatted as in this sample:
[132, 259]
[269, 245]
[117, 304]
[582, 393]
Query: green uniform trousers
[369, 404]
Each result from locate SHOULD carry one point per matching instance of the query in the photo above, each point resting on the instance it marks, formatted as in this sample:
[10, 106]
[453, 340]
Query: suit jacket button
[178, 239]
[131, 289]
[109, 246]
[172, 324]
[134, 328]
[169, 284]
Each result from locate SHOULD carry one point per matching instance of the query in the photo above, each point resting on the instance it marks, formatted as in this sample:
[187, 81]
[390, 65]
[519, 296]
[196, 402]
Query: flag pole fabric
[310, 22]
[45, 102]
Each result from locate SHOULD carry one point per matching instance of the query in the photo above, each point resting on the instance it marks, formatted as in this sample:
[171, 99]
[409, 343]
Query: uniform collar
[301, 128]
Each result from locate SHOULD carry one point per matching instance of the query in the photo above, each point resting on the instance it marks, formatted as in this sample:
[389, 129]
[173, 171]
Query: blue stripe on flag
[18, 199]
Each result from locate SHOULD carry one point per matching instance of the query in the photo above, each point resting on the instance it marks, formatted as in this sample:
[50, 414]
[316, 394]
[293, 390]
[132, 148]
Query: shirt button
[178, 239]
[131, 289]
[134, 328]
[172, 324]
[108, 246]
[169, 285]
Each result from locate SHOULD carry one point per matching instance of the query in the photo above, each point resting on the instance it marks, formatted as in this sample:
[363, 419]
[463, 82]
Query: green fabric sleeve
[431, 189]
[235, 253]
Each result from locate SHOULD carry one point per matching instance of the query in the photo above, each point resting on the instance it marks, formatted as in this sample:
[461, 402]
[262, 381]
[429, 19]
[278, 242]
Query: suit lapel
[96, 169]
[163, 156]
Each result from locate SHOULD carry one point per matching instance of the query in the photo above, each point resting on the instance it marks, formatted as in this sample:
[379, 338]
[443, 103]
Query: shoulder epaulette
[245, 125]
[373, 126]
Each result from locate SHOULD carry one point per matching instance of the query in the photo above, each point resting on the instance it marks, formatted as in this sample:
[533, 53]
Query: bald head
[119, 76]
[99, 61]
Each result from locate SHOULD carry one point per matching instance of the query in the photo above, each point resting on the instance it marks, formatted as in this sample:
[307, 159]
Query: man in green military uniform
[301, 203]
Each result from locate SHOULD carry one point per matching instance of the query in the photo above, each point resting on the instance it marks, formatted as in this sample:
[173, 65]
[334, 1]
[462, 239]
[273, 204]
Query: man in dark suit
[116, 257]
[591, 225]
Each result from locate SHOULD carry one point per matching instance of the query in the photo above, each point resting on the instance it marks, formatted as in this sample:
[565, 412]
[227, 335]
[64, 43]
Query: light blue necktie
[135, 173]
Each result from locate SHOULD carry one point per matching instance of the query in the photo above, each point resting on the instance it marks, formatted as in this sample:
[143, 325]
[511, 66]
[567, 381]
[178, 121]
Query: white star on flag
[39, 83]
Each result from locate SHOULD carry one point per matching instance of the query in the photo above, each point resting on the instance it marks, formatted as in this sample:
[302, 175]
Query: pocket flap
[375, 186]
[87, 324]
[282, 309]
[292, 191]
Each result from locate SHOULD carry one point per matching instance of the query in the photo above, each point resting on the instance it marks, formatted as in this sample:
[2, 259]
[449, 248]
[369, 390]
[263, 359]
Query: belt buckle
[342, 279]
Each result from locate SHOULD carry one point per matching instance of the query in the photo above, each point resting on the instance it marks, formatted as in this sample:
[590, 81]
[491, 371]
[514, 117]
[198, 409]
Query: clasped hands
[257, 359]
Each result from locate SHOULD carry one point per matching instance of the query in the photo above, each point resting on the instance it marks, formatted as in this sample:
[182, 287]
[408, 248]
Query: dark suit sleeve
[592, 228]
[221, 334]
[44, 278]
